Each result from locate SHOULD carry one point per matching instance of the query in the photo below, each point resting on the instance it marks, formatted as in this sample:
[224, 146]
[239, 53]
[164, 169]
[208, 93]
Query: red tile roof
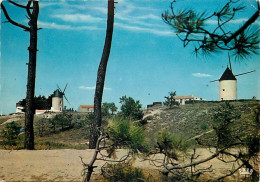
[86, 106]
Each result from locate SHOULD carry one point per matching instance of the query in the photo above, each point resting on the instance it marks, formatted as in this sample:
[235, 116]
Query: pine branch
[28, 8]
[203, 160]
[19, 5]
[12, 21]
[243, 28]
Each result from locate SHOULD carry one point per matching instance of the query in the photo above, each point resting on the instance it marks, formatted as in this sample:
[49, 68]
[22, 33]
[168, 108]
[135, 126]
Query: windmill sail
[229, 62]
[63, 92]
[245, 73]
[214, 80]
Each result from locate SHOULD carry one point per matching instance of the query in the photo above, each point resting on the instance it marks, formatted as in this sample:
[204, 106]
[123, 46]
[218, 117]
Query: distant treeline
[40, 102]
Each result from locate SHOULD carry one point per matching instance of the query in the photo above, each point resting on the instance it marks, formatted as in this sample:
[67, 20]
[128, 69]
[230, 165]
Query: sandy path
[46, 165]
[65, 165]
[152, 112]
[11, 120]
[57, 165]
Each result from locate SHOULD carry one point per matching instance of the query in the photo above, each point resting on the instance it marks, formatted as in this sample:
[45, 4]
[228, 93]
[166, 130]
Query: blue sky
[147, 60]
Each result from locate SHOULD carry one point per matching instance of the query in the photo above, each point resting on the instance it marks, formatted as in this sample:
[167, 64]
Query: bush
[63, 120]
[10, 133]
[204, 126]
[149, 118]
[131, 108]
[172, 144]
[124, 133]
[123, 172]
[170, 101]
[108, 108]
[224, 119]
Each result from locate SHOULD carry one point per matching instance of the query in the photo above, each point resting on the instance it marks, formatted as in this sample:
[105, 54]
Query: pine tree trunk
[30, 109]
[101, 77]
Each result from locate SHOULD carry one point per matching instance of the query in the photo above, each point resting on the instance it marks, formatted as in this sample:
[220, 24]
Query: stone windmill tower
[228, 84]
[57, 99]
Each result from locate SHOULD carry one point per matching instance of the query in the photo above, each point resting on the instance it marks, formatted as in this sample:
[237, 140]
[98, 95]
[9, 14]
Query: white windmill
[57, 99]
[228, 84]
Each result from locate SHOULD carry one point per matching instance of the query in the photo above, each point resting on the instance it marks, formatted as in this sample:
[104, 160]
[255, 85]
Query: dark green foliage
[131, 108]
[191, 26]
[53, 123]
[42, 126]
[170, 101]
[85, 122]
[124, 133]
[81, 123]
[204, 126]
[122, 172]
[252, 136]
[108, 108]
[149, 118]
[143, 121]
[224, 119]
[10, 133]
[171, 143]
[40, 102]
[63, 120]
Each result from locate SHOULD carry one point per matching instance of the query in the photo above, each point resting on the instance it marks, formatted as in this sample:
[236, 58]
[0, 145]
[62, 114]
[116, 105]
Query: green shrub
[131, 108]
[172, 143]
[204, 126]
[62, 121]
[149, 118]
[10, 133]
[224, 120]
[125, 133]
[122, 172]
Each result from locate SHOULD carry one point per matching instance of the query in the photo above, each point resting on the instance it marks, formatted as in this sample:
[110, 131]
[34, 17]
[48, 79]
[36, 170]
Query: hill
[190, 120]
[196, 119]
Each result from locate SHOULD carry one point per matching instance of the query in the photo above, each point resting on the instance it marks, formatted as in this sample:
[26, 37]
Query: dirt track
[65, 165]
[45, 165]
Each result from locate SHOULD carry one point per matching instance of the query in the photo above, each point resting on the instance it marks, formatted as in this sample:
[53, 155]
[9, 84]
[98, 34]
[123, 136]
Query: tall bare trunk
[30, 109]
[101, 75]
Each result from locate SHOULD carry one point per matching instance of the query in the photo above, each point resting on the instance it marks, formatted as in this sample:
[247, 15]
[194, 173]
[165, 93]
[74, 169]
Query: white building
[19, 107]
[86, 108]
[183, 99]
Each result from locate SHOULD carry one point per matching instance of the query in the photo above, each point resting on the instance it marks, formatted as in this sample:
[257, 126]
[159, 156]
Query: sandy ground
[46, 165]
[65, 165]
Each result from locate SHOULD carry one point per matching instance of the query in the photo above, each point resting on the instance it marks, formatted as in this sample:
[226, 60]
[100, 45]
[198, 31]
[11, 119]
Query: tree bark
[101, 74]
[30, 109]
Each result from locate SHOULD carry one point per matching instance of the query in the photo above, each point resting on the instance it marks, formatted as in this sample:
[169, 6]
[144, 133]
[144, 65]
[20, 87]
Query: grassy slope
[188, 120]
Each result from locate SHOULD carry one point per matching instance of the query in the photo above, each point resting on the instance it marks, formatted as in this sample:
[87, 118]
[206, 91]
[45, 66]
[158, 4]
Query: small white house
[19, 107]
[183, 99]
[86, 108]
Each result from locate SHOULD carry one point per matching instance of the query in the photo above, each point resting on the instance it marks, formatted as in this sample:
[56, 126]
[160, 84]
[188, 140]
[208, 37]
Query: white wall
[57, 104]
[228, 90]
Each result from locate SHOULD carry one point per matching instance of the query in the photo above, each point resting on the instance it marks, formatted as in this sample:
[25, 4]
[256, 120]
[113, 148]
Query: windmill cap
[57, 93]
[227, 75]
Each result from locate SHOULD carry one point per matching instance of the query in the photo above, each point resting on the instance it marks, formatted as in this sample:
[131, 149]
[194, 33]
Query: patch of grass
[123, 172]
[50, 145]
